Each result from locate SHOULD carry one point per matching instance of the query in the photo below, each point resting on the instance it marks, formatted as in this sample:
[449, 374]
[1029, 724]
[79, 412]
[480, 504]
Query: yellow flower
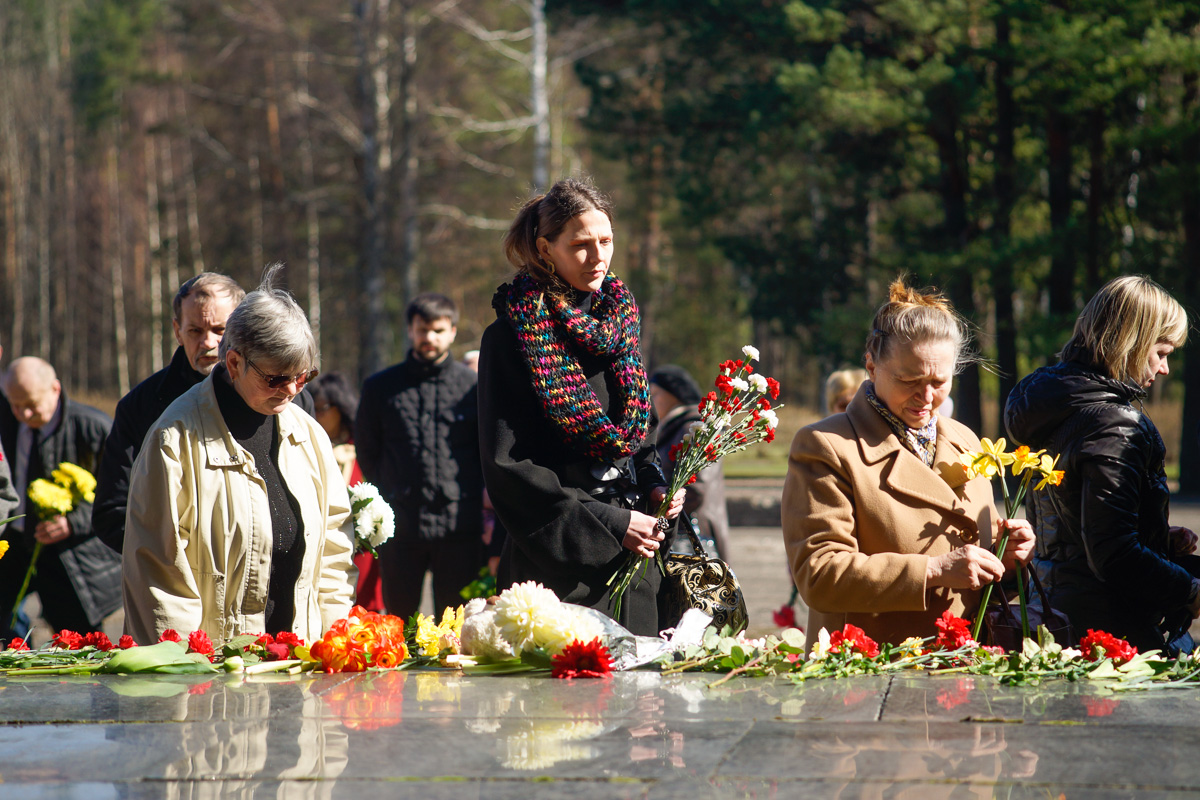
[988, 461]
[1023, 459]
[81, 482]
[3, 548]
[911, 647]
[50, 499]
[431, 636]
[1050, 475]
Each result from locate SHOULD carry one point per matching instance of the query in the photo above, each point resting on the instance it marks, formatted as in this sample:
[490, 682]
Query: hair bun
[899, 292]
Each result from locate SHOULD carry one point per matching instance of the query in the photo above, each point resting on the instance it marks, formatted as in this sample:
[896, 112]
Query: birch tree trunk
[113, 236]
[154, 240]
[312, 219]
[540, 100]
[189, 189]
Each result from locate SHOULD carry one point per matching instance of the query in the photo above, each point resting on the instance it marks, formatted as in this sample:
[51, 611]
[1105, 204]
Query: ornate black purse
[698, 580]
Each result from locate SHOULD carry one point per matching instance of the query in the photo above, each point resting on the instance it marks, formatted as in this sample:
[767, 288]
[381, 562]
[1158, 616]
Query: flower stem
[29, 573]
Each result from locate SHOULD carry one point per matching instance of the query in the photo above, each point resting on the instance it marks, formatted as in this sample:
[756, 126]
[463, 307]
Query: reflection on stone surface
[638, 735]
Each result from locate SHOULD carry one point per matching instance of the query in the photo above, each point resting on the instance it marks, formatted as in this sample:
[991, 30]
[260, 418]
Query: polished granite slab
[636, 735]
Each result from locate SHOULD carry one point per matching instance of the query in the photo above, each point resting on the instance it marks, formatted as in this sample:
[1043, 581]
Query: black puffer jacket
[1102, 535]
[417, 439]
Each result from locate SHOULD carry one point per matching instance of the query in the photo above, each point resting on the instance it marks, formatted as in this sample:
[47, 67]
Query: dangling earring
[549, 265]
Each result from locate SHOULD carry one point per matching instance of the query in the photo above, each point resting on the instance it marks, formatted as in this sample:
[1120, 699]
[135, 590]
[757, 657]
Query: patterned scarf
[921, 441]
[550, 331]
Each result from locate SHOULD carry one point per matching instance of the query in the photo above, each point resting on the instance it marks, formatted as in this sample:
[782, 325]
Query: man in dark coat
[417, 440]
[78, 579]
[201, 307]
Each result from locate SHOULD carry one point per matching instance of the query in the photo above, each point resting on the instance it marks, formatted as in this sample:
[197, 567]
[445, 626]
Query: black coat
[1102, 535]
[417, 439]
[135, 416]
[559, 533]
[94, 569]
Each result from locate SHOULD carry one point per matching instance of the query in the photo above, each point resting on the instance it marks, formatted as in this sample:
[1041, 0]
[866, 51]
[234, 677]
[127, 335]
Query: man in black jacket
[201, 307]
[78, 579]
[417, 440]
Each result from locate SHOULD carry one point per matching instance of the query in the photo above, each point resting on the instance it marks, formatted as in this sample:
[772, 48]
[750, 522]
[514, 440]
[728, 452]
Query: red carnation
[289, 638]
[692, 480]
[18, 644]
[264, 639]
[1098, 644]
[953, 632]
[582, 660]
[99, 640]
[770, 437]
[170, 635]
[764, 404]
[853, 639]
[785, 617]
[198, 642]
[773, 388]
[126, 642]
[725, 384]
[68, 640]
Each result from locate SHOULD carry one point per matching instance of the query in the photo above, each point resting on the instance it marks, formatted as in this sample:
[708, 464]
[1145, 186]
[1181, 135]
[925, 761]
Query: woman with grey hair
[236, 504]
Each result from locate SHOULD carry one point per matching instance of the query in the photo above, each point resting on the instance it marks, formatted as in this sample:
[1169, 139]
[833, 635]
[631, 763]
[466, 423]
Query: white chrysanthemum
[771, 417]
[386, 526]
[557, 630]
[750, 352]
[519, 610]
[374, 522]
[758, 383]
[739, 384]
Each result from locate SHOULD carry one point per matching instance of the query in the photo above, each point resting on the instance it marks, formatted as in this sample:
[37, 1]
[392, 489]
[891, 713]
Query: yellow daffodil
[3, 548]
[911, 647]
[1023, 459]
[988, 461]
[1050, 475]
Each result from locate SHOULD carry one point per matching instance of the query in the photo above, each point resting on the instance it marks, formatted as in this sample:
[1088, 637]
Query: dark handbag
[1003, 619]
[701, 581]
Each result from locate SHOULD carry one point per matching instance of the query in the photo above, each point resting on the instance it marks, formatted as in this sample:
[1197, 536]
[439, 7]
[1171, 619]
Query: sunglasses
[279, 381]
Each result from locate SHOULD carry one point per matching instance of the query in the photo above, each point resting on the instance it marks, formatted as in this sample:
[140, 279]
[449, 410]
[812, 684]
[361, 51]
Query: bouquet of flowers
[737, 414]
[374, 520]
[991, 461]
[70, 484]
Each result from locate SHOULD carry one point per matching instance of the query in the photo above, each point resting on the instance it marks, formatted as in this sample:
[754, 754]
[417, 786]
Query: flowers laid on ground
[582, 660]
[733, 417]
[991, 461]
[374, 520]
[71, 484]
[364, 639]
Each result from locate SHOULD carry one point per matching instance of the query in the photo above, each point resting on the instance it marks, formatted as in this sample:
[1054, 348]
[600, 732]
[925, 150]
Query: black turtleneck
[259, 434]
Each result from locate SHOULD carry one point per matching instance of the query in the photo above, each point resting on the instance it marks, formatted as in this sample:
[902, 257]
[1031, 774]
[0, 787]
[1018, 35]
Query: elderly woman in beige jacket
[236, 505]
[882, 529]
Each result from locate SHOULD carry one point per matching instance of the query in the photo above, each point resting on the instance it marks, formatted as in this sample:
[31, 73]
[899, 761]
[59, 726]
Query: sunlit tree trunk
[112, 235]
[540, 100]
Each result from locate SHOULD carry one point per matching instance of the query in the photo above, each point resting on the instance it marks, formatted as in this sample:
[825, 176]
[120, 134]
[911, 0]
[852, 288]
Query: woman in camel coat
[882, 528]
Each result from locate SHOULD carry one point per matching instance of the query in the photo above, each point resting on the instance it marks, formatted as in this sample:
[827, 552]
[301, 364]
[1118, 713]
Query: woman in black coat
[1105, 551]
[565, 423]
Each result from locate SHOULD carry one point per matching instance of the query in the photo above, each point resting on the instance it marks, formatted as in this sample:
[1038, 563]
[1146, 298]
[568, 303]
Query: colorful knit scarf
[551, 331]
[922, 442]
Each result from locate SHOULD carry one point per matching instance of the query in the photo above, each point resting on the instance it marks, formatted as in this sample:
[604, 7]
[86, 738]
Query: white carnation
[771, 418]
[739, 384]
[758, 383]
[750, 352]
[374, 522]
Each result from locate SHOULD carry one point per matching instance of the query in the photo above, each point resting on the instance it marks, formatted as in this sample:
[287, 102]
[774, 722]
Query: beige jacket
[862, 515]
[198, 527]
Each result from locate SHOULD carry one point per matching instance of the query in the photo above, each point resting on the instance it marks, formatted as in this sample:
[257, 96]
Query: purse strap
[1006, 607]
[685, 522]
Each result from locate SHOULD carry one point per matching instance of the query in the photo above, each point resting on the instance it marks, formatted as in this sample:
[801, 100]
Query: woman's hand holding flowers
[1020, 541]
[659, 493]
[966, 567]
[642, 536]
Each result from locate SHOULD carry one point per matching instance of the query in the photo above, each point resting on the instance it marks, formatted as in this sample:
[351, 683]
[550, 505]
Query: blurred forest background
[774, 164]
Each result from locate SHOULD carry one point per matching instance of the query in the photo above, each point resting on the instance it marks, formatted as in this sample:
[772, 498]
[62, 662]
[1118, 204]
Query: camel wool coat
[862, 515]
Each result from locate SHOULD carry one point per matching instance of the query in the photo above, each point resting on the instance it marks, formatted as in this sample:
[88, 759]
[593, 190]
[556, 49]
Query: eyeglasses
[279, 381]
